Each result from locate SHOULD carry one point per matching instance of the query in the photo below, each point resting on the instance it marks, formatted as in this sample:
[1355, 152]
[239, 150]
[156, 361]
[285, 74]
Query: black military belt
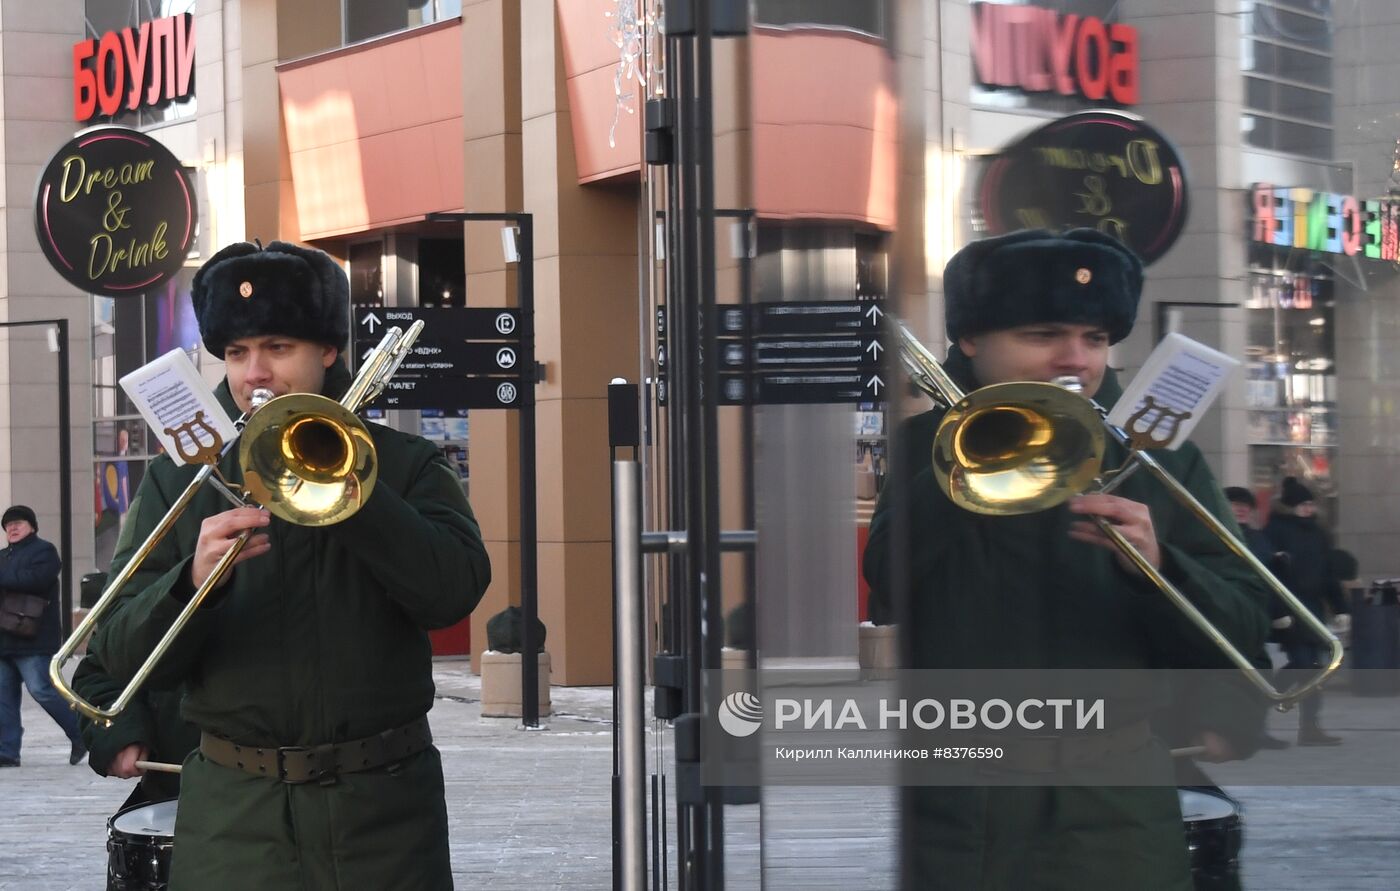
[323, 763]
[1047, 754]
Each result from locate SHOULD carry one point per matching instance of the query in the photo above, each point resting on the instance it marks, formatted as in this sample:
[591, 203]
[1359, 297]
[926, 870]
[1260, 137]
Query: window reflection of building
[442, 277]
[103, 16]
[1292, 379]
[1286, 55]
[367, 272]
[365, 19]
[867, 16]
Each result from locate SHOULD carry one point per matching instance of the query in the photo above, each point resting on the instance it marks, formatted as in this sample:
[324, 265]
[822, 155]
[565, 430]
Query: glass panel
[367, 273]
[365, 19]
[442, 277]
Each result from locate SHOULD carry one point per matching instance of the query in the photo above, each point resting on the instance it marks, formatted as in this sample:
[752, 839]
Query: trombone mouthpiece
[261, 396]
[1069, 382]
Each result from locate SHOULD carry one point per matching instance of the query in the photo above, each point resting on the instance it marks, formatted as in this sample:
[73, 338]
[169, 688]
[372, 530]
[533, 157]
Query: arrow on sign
[875, 383]
[874, 349]
[371, 320]
[873, 314]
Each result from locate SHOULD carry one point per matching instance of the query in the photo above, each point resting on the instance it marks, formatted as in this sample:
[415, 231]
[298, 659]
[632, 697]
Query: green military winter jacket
[1017, 592]
[321, 640]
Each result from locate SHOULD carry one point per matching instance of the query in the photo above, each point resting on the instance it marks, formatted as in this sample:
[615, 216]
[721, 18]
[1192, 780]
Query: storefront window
[127, 333]
[365, 19]
[1292, 378]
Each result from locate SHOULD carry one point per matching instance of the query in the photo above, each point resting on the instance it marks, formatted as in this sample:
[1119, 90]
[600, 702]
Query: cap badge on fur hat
[1083, 276]
[246, 290]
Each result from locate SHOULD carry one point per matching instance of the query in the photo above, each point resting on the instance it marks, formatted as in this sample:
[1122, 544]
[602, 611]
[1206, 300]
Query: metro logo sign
[147, 66]
[1039, 51]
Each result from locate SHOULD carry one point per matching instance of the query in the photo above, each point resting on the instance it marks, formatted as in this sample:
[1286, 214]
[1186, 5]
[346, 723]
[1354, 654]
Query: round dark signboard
[1101, 169]
[114, 212]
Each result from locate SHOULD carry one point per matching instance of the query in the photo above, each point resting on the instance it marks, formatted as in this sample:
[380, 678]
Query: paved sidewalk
[530, 810]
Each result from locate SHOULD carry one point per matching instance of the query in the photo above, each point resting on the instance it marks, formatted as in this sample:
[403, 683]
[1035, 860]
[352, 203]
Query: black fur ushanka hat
[246, 290]
[1081, 277]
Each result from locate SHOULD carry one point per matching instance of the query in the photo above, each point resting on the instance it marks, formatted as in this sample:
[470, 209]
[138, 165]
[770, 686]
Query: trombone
[306, 459]
[1021, 447]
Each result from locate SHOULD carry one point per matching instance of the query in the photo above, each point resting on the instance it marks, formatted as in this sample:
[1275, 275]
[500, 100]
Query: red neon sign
[146, 66]
[1039, 50]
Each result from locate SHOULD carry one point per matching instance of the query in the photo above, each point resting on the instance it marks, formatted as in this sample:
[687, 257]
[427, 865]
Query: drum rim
[114, 832]
[1236, 815]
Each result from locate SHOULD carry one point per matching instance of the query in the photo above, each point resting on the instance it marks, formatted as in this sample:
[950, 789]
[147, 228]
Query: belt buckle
[319, 762]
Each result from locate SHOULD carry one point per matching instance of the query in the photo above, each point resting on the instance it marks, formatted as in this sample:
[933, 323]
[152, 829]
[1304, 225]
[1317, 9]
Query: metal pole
[627, 592]
[529, 551]
[65, 481]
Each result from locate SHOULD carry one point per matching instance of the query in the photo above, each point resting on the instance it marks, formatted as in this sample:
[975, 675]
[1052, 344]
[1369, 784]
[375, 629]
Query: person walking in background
[29, 637]
[1294, 530]
[1245, 508]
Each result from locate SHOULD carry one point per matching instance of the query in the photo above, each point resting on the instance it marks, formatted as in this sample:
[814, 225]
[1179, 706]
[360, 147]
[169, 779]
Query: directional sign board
[802, 317]
[450, 361]
[792, 353]
[466, 358]
[441, 323]
[781, 388]
[456, 393]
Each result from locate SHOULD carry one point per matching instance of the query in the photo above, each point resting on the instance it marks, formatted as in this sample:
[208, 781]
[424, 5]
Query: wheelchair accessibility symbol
[507, 393]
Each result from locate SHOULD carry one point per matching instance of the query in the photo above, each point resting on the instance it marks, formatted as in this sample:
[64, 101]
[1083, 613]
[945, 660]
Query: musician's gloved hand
[124, 767]
[1131, 518]
[218, 533]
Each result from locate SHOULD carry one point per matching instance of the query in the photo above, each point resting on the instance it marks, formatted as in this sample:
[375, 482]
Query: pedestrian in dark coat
[1281, 621]
[1294, 529]
[1047, 590]
[30, 565]
[308, 671]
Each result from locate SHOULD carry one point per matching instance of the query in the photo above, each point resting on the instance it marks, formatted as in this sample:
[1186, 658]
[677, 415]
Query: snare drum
[1214, 834]
[139, 843]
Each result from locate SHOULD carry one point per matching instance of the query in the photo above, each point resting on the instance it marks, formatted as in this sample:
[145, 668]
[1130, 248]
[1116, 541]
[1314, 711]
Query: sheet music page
[170, 394]
[1182, 377]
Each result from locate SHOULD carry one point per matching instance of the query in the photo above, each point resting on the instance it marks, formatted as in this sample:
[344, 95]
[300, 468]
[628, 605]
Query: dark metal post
[529, 549]
[65, 480]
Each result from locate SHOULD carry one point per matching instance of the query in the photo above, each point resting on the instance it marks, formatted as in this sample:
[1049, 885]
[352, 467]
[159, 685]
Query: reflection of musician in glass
[1048, 590]
[116, 478]
[114, 495]
[308, 669]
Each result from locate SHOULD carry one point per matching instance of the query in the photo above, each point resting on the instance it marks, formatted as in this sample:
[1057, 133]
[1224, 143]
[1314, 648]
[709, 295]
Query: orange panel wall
[374, 131]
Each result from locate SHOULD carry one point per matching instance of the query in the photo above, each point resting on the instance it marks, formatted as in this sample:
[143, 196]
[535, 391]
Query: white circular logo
[506, 393]
[505, 357]
[740, 714]
[505, 323]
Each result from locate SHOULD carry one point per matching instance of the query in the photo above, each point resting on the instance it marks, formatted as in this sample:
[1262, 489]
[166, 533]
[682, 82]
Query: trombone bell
[1017, 448]
[307, 459]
